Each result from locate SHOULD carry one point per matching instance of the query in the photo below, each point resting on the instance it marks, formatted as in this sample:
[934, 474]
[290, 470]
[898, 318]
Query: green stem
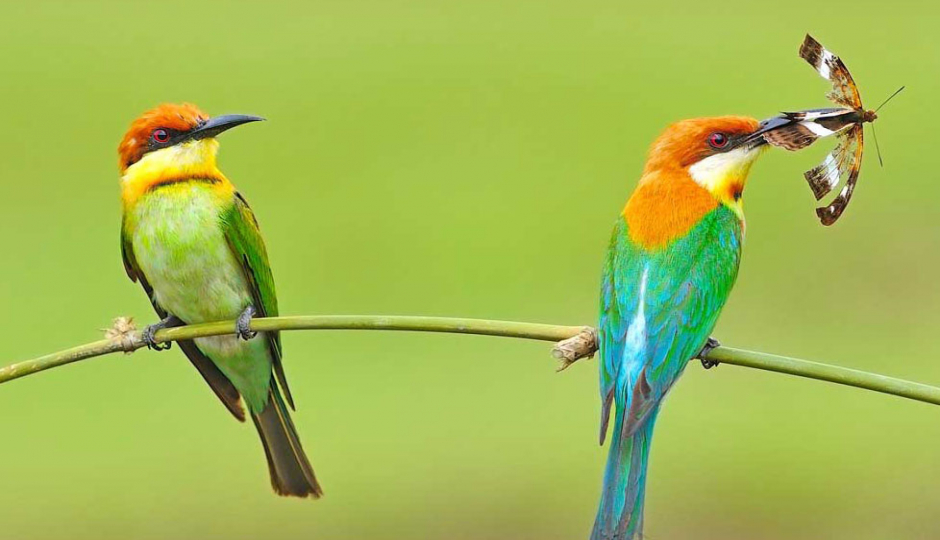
[131, 341]
[828, 373]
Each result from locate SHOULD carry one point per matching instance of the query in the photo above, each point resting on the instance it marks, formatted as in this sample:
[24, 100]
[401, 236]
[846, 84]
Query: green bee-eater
[192, 242]
[672, 261]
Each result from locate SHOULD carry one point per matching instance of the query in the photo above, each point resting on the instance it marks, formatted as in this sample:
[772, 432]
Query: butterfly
[798, 130]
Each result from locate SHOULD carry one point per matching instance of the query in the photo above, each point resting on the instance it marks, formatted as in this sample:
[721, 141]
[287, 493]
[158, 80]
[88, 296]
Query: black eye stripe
[162, 137]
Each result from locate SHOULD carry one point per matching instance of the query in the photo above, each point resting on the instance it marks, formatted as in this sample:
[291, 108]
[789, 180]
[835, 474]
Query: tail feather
[291, 473]
[620, 515]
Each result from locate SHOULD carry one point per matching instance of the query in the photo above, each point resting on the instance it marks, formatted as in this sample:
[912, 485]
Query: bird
[672, 260]
[192, 242]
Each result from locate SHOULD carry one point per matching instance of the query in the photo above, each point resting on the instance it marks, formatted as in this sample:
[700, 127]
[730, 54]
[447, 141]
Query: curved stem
[127, 339]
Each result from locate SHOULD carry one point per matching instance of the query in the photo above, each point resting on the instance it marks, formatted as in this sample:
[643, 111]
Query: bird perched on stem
[672, 261]
[190, 239]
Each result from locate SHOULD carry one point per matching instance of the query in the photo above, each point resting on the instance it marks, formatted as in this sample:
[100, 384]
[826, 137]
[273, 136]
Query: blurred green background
[464, 159]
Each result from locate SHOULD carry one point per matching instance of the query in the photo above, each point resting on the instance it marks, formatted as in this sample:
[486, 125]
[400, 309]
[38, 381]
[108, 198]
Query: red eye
[161, 136]
[718, 140]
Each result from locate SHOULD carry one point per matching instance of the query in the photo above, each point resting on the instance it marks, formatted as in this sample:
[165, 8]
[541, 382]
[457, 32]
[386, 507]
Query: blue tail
[620, 515]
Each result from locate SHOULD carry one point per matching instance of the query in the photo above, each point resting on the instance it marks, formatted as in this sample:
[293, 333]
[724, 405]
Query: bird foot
[243, 324]
[148, 334]
[710, 345]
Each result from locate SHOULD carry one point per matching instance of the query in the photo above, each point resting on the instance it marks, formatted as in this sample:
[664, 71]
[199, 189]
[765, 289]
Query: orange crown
[686, 142]
[178, 117]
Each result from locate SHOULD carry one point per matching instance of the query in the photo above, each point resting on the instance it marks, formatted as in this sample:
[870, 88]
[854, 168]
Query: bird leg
[149, 332]
[243, 324]
[710, 345]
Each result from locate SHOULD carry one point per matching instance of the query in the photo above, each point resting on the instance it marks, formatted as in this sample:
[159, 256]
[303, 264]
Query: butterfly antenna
[874, 134]
[885, 102]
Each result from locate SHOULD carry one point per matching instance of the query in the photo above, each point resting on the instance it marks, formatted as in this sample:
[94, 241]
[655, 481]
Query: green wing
[222, 387]
[683, 287]
[623, 271]
[244, 238]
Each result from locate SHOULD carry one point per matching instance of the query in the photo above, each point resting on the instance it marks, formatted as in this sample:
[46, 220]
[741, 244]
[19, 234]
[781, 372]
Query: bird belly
[182, 251]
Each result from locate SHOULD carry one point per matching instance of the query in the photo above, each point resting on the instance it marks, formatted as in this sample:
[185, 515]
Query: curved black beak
[755, 139]
[214, 126]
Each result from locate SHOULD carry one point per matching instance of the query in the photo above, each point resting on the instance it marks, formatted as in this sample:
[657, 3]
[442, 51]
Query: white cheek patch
[713, 172]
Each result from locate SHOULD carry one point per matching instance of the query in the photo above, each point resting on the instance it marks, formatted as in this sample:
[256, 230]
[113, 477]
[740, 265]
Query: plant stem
[127, 340]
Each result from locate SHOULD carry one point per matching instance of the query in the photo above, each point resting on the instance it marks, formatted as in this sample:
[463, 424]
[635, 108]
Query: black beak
[214, 126]
[755, 139]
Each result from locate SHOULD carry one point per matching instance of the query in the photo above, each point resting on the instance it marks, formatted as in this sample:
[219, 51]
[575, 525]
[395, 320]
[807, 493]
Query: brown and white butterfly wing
[844, 92]
[825, 177]
[843, 162]
[797, 130]
[792, 137]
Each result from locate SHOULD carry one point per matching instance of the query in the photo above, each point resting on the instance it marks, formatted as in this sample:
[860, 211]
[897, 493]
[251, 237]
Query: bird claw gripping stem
[243, 324]
[710, 345]
[148, 334]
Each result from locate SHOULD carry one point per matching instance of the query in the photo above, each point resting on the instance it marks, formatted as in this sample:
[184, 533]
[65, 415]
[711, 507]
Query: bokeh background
[465, 159]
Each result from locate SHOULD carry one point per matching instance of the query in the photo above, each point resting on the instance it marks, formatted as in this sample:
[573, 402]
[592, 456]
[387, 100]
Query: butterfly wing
[797, 130]
[844, 92]
[843, 162]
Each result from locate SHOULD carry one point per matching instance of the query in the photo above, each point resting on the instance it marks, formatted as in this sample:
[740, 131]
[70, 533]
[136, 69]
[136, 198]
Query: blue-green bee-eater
[190, 239]
[672, 261]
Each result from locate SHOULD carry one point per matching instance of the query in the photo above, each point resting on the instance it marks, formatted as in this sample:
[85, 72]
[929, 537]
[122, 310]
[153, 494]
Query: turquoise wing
[623, 270]
[658, 309]
[244, 238]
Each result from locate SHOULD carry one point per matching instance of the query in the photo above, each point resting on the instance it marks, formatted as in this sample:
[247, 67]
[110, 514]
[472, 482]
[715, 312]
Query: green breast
[181, 249]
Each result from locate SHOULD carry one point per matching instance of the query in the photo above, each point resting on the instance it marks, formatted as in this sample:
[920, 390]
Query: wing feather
[621, 277]
[671, 298]
[244, 238]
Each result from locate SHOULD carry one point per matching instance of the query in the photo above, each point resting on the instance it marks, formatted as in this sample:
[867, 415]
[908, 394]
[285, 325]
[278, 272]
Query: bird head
[693, 167]
[716, 153]
[174, 130]
[172, 142]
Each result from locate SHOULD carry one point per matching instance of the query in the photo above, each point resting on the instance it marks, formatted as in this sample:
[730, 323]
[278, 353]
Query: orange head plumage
[693, 167]
[172, 143]
[144, 133]
[690, 141]
[172, 124]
